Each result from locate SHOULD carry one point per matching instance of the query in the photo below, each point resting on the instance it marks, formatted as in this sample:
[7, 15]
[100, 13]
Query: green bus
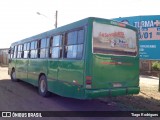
[87, 59]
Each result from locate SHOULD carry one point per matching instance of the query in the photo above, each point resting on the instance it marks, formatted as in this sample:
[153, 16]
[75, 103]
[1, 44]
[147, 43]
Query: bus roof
[69, 27]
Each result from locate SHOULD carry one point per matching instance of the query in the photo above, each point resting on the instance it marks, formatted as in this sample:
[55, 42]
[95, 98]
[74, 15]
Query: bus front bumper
[89, 94]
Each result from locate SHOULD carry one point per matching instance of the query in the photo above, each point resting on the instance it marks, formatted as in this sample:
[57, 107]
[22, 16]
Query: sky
[19, 18]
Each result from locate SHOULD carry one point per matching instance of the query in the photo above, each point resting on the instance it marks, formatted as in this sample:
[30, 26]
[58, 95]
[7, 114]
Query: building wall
[4, 57]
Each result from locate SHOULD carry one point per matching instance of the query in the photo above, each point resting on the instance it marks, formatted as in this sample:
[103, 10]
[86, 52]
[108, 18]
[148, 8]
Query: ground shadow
[138, 103]
[149, 77]
[25, 92]
[121, 103]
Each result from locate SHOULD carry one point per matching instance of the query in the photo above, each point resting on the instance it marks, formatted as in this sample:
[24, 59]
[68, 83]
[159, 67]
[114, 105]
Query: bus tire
[43, 87]
[13, 75]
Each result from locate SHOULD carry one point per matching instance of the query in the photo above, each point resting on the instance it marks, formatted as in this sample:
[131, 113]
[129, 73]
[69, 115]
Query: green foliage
[156, 65]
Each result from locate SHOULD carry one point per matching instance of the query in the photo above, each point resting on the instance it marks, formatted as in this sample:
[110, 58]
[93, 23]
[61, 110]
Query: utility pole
[56, 16]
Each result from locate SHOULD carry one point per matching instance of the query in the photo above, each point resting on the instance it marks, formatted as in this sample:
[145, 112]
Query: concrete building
[4, 57]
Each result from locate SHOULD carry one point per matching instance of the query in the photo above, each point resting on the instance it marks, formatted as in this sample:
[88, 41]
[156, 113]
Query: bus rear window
[109, 39]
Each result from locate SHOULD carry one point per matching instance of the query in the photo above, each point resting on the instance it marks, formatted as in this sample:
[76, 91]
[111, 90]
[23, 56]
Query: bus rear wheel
[13, 75]
[43, 87]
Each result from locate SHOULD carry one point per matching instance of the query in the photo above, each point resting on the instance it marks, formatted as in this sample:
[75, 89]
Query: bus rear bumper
[89, 94]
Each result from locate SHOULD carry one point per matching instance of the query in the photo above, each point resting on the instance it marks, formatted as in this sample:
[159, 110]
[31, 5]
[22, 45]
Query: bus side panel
[35, 67]
[70, 75]
[21, 69]
[70, 78]
[52, 76]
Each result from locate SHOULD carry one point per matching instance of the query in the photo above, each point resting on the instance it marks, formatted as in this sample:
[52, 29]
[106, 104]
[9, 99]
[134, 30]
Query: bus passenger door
[13, 58]
[53, 61]
[26, 56]
[25, 69]
[52, 74]
[71, 66]
[10, 59]
[70, 77]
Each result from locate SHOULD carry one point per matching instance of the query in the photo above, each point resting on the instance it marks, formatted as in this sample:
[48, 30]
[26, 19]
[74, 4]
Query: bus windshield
[110, 39]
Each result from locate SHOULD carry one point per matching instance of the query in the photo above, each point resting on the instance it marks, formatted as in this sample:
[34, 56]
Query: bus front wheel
[13, 75]
[43, 87]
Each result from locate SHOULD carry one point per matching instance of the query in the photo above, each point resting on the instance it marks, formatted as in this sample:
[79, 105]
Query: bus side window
[35, 49]
[22, 51]
[73, 45]
[47, 47]
[56, 48]
[65, 52]
[19, 55]
[15, 52]
[32, 50]
[38, 48]
[29, 51]
[11, 51]
[43, 48]
[26, 50]
[50, 46]
[80, 43]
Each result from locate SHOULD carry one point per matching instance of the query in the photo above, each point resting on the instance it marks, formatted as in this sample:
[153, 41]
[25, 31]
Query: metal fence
[4, 57]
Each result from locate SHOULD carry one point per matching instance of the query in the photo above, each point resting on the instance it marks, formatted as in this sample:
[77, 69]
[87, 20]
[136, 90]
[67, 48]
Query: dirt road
[20, 96]
[3, 73]
[147, 99]
[23, 96]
